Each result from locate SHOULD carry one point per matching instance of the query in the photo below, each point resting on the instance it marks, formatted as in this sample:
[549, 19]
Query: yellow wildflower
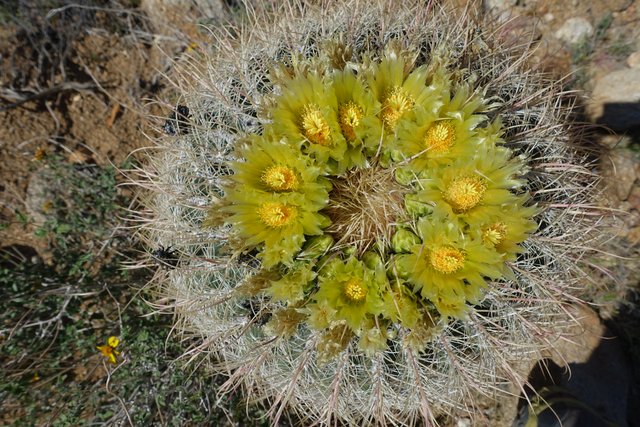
[109, 349]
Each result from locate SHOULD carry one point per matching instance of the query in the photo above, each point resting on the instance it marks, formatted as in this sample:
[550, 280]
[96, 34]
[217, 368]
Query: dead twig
[21, 98]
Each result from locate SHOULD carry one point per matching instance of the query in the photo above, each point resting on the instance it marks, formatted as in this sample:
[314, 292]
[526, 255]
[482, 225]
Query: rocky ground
[83, 87]
[595, 46]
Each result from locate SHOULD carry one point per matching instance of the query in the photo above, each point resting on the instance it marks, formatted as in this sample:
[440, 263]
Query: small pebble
[575, 30]
[633, 60]
[498, 5]
[615, 101]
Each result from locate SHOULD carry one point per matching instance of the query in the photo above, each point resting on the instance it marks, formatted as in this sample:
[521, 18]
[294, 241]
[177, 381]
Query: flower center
[276, 215]
[355, 291]
[494, 234]
[465, 193]
[349, 116]
[446, 259]
[280, 178]
[396, 103]
[314, 126]
[440, 137]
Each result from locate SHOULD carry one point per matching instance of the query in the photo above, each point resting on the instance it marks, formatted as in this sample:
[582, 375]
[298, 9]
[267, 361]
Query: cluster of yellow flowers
[463, 212]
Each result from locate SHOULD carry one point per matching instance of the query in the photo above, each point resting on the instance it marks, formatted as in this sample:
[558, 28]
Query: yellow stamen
[440, 137]
[355, 291]
[494, 234]
[446, 259]
[396, 103]
[314, 126]
[349, 116]
[276, 215]
[280, 178]
[465, 193]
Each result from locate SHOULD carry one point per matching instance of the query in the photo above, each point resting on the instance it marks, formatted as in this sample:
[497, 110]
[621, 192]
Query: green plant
[53, 311]
[56, 314]
[375, 212]
[80, 207]
[620, 47]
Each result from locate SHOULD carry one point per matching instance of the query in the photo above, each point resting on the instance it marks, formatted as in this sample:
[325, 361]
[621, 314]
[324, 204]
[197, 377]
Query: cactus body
[376, 211]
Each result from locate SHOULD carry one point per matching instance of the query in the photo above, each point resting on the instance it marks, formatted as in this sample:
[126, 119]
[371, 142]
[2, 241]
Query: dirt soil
[95, 113]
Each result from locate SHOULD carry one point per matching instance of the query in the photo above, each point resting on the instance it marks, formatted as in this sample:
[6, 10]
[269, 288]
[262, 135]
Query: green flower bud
[398, 268]
[316, 246]
[403, 240]
[350, 251]
[397, 156]
[372, 260]
[327, 265]
[385, 159]
[416, 207]
[405, 176]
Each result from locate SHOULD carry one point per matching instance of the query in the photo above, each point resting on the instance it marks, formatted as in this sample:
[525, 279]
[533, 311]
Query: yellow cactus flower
[352, 290]
[356, 110]
[306, 116]
[272, 166]
[464, 193]
[451, 303]
[442, 132]
[396, 102]
[508, 229]
[373, 337]
[321, 314]
[448, 266]
[398, 94]
[350, 116]
[400, 306]
[474, 189]
[314, 125]
[291, 287]
[278, 221]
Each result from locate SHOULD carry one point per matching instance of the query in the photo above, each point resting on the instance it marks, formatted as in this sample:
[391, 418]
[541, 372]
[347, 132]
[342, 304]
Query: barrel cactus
[376, 210]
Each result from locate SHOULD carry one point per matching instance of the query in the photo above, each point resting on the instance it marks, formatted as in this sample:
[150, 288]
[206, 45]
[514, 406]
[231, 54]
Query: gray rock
[615, 101]
[498, 5]
[599, 373]
[633, 60]
[623, 172]
[501, 10]
[575, 30]
[40, 193]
